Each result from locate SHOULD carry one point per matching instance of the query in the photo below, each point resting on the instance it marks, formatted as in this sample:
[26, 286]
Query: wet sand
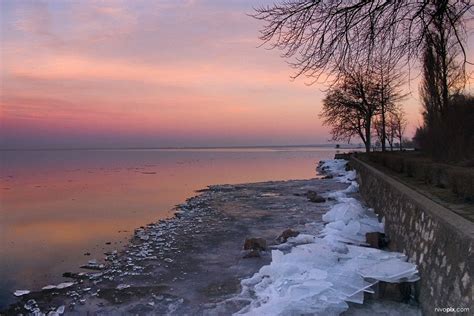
[191, 263]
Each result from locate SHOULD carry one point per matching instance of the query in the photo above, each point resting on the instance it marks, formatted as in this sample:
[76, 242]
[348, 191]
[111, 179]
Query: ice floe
[322, 273]
[64, 285]
[19, 293]
[60, 286]
[122, 286]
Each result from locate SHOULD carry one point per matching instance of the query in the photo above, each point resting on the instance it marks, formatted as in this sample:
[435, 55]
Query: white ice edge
[19, 293]
[60, 286]
[323, 272]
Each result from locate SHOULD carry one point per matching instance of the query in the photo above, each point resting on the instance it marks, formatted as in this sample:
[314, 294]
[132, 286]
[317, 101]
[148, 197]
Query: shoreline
[193, 263]
[220, 218]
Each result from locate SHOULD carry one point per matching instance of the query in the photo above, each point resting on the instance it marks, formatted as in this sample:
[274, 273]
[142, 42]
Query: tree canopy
[323, 36]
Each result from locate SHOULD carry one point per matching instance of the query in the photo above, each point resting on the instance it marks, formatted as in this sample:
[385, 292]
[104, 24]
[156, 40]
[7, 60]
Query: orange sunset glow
[152, 74]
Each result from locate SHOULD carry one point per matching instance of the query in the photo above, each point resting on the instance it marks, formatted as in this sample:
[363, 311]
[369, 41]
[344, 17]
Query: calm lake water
[56, 206]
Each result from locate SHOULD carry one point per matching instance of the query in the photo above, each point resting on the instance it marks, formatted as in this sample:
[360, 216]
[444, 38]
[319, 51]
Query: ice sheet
[322, 273]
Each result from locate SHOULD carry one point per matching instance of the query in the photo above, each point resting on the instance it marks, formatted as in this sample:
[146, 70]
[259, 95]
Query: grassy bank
[450, 185]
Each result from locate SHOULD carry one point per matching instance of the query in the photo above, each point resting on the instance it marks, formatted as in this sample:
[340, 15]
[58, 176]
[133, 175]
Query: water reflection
[55, 206]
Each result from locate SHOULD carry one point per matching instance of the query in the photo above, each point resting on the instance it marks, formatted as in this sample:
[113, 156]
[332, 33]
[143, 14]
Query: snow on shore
[324, 272]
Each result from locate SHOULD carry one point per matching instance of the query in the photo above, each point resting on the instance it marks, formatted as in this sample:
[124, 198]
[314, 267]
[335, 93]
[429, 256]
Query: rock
[314, 197]
[179, 214]
[252, 254]
[287, 234]
[93, 265]
[327, 177]
[376, 240]
[255, 244]
[73, 275]
[398, 292]
[345, 156]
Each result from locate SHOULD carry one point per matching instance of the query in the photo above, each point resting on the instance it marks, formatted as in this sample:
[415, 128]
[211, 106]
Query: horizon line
[177, 147]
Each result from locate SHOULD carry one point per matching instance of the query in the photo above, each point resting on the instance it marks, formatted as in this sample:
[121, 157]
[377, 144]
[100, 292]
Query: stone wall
[438, 240]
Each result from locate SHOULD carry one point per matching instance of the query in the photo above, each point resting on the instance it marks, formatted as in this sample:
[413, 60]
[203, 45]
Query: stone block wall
[438, 240]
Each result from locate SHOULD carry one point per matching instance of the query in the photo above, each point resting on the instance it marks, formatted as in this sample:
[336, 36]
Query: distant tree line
[361, 47]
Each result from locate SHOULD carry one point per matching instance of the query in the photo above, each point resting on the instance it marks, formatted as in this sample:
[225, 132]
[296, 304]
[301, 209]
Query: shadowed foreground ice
[321, 273]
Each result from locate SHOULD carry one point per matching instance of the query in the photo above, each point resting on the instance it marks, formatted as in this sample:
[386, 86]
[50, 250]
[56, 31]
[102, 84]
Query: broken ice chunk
[301, 239]
[19, 293]
[123, 286]
[392, 271]
[351, 209]
[93, 265]
[64, 285]
[60, 309]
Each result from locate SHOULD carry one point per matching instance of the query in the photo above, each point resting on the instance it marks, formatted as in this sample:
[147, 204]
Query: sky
[97, 74]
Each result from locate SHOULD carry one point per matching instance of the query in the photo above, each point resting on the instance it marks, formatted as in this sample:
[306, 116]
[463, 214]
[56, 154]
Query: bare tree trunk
[382, 103]
[367, 136]
[384, 134]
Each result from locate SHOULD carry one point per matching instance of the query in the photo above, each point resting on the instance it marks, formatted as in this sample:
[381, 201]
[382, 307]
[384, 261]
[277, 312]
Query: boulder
[287, 234]
[376, 240]
[255, 244]
[73, 275]
[252, 254]
[93, 265]
[398, 292]
[179, 214]
[314, 197]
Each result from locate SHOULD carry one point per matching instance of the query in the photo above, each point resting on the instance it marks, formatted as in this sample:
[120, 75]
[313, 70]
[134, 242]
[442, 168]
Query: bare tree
[394, 127]
[350, 106]
[323, 36]
[380, 127]
[342, 114]
[389, 89]
[397, 125]
[391, 133]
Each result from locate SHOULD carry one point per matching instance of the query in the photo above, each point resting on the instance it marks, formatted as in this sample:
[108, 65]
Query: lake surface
[56, 206]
